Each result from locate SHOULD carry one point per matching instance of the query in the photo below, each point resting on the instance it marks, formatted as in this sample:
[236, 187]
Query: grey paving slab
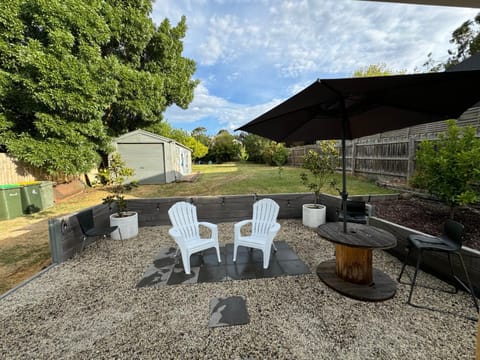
[167, 269]
[228, 311]
[178, 276]
[294, 267]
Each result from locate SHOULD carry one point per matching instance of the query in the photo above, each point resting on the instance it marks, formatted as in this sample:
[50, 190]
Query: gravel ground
[88, 307]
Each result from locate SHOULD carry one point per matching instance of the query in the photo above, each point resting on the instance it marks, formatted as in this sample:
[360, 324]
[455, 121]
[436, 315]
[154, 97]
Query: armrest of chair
[272, 232]
[275, 227]
[177, 236]
[238, 226]
[174, 232]
[212, 227]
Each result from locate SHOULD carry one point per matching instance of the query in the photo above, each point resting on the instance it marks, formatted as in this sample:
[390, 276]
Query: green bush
[449, 167]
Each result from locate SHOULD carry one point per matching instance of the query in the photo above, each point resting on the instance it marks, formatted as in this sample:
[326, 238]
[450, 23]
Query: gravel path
[88, 307]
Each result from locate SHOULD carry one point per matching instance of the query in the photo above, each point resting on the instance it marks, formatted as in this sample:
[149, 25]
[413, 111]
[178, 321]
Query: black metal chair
[356, 212]
[87, 225]
[450, 242]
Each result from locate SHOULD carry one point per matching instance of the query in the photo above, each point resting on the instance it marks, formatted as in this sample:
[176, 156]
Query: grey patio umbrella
[354, 107]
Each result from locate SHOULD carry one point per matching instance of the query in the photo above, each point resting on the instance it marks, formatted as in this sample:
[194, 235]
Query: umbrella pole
[344, 193]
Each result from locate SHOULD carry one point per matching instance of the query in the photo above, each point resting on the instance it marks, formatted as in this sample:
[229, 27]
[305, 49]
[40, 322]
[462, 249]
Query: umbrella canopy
[355, 107]
[372, 105]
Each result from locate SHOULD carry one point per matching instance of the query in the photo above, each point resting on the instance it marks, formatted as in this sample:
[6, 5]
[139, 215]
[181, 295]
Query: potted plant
[115, 176]
[320, 167]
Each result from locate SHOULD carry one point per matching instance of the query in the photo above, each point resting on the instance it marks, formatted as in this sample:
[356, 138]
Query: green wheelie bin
[31, 200]
[10, 201]
[46, 194]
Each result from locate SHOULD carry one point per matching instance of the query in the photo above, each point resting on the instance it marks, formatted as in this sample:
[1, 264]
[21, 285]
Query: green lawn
[245, 178]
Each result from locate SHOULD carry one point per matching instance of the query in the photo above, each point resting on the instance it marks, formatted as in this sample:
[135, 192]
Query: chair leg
[266, 257]
[470, 287]
[106, 245]
[186, 262]
[235, 246]
[274, 247]
[84, 238]
[120, 234]
[409, 249]
[218, 254]
[452, 273]
[419, 259]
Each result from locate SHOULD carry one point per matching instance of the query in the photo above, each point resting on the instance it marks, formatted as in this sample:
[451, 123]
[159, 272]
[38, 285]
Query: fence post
[411, 158]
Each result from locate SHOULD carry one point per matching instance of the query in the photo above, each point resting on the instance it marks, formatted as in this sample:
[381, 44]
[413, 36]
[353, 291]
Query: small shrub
[320, 165]
[115, 176]
[449, 167]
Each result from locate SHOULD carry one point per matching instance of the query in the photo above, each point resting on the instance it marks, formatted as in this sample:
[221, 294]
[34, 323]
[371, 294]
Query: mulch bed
[428, 216]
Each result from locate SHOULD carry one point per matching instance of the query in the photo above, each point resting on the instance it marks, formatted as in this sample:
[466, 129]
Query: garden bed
[428, 216]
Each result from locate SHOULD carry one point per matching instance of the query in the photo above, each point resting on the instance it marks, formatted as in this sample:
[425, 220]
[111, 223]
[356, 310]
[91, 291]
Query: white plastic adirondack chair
[186, 232]
[264, 229]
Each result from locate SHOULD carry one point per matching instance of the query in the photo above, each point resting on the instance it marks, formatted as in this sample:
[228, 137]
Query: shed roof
[148, 134]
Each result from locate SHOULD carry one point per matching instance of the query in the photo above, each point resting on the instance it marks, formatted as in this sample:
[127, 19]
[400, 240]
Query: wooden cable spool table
[351, 272]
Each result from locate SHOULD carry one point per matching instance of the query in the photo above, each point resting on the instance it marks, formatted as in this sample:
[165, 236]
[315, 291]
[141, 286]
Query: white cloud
[274, 48]
[305, 36]
[230, 115]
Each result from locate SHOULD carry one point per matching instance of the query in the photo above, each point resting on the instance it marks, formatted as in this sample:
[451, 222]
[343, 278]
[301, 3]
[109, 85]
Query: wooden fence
[389, 154]
[13, 171]
[393, 158]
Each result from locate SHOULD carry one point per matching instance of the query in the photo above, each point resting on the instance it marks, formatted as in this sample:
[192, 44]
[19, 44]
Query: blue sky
[253, 54]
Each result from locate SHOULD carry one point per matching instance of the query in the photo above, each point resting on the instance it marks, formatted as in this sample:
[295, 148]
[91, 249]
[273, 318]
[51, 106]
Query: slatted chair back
[454, 231]
[86, 221]
[265, 214]
[183, 216]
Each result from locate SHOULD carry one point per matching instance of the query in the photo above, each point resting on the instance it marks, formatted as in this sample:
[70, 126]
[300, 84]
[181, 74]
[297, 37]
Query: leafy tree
[255, 146]
[200, 133]
[449, 167]
[280, 154]
[74, 73]
[198, 149]
[224, 147]
[243, 155]
[165, 129]
[376, 70]
[275, 154]
[466, 39]
[320, 167]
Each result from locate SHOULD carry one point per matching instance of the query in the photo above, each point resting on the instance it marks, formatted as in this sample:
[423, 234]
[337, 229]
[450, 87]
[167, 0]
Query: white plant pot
[128, 225]
[313, 215]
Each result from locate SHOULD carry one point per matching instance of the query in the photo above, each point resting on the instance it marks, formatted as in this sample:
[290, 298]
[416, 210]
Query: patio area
[91, 307]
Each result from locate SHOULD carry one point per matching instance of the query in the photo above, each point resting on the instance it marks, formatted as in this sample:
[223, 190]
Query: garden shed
[154, 158]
